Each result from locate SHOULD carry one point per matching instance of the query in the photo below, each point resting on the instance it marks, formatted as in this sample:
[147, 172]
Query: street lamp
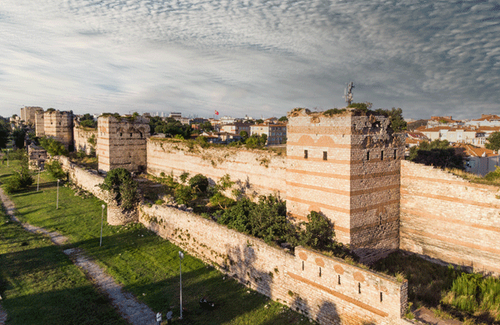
[181, 256]
[102, 218]
[38, 182]
[57, 202]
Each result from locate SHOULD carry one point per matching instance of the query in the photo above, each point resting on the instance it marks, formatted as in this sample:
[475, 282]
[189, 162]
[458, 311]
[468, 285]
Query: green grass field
[145, 264]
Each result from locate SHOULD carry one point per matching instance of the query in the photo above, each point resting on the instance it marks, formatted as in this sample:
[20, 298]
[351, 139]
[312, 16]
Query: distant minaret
[348, 93]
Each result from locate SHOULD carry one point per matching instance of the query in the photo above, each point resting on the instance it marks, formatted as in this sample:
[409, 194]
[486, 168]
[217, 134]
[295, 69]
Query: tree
[19, 135]
[318, 232]
[21, 179]
[53, 147]
[436, 153]
[395, 115]
[244, 135]
[493, 141]
[199, 183]
[123, 188]
[88, 121]
[283, 119]
[4, 132]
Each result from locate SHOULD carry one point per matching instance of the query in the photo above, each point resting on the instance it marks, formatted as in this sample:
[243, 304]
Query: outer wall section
[256, 172]
[450, 219]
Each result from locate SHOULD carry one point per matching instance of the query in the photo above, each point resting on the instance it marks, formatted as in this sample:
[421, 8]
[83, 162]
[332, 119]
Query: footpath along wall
[259, 172]
[326, 289]
[450, 219]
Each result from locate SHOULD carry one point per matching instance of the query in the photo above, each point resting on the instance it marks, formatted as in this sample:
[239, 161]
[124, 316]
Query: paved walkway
[133, 311]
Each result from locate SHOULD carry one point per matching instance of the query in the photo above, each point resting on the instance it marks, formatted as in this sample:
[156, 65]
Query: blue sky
[255, 57]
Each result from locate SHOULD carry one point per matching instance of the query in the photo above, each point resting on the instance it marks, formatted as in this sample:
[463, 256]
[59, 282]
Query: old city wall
[82, 136]
[85, 179]
[326, 289]
[450, 219]
[255, 171]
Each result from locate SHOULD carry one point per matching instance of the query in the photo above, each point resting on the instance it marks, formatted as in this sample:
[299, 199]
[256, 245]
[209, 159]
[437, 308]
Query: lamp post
[57, 201]
[181, 256]
[102, 218]
[8, 150]
[38, 182]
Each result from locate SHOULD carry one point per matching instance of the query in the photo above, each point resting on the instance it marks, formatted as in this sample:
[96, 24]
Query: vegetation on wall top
[436, 153]
[122, 187]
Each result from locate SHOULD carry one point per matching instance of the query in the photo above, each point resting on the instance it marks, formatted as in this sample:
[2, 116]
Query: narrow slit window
[339, 278]
[359, 287]
[325, 155]
[305, 154]
[302, 265]
[121, 134]
[130, 134]
[381, 155]
[381, 297]
[395, 154]
[368, 155]
[320, 271]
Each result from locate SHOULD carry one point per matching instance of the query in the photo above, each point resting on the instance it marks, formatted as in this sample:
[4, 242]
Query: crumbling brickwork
[347, 167]
[121, 142]
[59, 125]
[85, 139]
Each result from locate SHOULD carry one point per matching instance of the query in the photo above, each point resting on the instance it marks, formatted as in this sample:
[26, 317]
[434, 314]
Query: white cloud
[251, 56]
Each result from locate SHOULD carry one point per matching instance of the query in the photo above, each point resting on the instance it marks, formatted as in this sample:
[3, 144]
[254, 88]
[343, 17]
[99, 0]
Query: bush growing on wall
[199, 183]
[120, 184]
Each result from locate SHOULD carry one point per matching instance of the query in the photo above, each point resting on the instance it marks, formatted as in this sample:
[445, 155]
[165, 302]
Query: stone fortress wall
[328, 290]
[28, 114]
[450, 219]
[256, 172]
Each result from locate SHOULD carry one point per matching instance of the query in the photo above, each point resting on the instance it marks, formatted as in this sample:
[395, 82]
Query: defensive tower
[59, 125]
[345, 164]
[121, 142]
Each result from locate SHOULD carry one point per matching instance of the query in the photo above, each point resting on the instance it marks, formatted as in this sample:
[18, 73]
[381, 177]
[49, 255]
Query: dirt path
[129, 308]
[426, 316]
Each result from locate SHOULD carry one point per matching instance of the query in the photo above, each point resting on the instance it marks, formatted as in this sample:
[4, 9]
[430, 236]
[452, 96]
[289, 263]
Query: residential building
[276, 133]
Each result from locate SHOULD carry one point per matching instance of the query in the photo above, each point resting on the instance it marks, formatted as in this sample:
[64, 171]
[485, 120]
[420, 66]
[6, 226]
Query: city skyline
[252, 57]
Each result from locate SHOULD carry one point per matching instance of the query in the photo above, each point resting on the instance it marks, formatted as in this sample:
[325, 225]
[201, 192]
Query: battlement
[121, 142]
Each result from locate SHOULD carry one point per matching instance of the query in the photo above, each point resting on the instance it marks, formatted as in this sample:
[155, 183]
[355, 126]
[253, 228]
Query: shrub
[55, 169]
[199, 183]
[318, 232]
[53, 147]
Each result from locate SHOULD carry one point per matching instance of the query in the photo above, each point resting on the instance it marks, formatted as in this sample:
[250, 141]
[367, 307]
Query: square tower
[59, 125]
[121, 142]
[345, 164]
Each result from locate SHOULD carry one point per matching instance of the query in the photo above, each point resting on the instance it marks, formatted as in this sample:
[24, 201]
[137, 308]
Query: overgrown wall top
[82, 136]
[326, 289]
[450, 219]
[59, 125]
[255, 171]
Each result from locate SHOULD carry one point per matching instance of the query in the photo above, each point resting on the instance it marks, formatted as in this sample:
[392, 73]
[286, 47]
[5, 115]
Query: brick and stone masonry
[28, 114]
[82, 136]
[121, 142]
[347, 167]
[59, 125]
[450, 219]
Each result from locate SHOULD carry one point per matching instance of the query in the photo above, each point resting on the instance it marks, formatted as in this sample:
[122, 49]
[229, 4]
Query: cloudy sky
[255, 57]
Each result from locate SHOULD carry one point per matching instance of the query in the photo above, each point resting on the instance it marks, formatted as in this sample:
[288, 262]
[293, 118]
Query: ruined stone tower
[347, 167]
[121, 142]
[59, 125]
[28, 114]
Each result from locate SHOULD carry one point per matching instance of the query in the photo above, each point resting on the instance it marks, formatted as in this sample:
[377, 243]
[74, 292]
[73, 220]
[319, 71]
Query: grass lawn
[40, 285]
[145, 264]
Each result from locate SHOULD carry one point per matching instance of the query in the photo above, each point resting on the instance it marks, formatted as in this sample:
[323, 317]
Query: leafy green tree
[123, 188]
[206, 126]
[493, 141]
[436, 153]
[21, 179]
[170, 127]
[244, 135]
[395, 115]
[88, 121]
[259, 121]
[4, 132]
[53, 147]
[55, 169]
[19, 136]
[318, 232]
[283, 119]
